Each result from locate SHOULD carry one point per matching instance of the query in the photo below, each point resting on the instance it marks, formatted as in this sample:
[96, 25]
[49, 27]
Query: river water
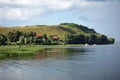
[72, 63]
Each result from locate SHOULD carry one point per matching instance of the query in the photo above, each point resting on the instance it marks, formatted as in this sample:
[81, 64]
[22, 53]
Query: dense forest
[83, 35]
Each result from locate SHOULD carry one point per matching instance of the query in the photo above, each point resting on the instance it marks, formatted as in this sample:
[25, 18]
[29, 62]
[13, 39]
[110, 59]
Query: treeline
[88, 39]
[24, 38]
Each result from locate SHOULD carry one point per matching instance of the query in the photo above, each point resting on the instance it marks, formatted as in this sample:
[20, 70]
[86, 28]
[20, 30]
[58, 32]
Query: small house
[55, 37]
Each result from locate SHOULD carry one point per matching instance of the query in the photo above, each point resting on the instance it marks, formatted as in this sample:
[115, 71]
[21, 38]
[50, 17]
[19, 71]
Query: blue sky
[102, 15]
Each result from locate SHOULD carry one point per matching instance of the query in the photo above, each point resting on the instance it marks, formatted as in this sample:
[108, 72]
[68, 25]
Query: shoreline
[18, 51]
[21, 51]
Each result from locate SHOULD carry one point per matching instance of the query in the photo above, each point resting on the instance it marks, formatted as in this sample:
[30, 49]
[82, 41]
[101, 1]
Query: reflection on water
[45, 53]
[59, 52]
[75, 63]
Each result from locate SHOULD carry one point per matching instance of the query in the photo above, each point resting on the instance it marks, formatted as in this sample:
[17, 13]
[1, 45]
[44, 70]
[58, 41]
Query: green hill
[60, 30]
[67, 33]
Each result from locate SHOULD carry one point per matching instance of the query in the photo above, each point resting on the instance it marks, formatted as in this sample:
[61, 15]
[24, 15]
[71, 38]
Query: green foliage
[3, 40]
[83, 28]
[111, 41]
[14, 35]
[70, 24]
[48, 42]
[17, 51]
[89, 39]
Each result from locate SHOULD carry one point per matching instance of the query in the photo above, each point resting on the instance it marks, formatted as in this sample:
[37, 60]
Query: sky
[101, 15]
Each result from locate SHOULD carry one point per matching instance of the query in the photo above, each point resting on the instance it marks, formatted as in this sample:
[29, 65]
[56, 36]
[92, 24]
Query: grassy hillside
[61, 29]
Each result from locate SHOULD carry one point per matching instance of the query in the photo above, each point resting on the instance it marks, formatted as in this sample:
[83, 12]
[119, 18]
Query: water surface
[72, 63]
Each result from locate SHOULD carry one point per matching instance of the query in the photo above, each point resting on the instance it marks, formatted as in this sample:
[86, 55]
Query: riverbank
[24, 51]
[18, 51]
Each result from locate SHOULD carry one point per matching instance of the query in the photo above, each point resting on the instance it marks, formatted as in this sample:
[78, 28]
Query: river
[98, 62]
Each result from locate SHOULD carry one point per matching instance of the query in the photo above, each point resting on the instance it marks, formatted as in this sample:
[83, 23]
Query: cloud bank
[25, 9]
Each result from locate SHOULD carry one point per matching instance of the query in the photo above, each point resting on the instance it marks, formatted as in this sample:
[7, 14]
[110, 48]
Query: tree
[111, 40]
[14, 35]
[3, 40]
[104, 39]
[81, 39]
[89, 39]
[21, 40]
[45, 36]
[48, 41]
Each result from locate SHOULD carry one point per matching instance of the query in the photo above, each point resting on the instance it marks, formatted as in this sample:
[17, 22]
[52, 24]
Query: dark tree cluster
[89, 39]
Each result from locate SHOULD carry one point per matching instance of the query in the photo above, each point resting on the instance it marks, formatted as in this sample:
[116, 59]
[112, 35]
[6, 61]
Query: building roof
[55, 37]
[39, 35]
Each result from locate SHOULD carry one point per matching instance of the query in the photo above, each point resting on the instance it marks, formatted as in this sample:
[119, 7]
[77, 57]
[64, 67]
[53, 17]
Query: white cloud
[24, 9]
[57, 4]
[88, 4]
[18, 13]
[28, 2]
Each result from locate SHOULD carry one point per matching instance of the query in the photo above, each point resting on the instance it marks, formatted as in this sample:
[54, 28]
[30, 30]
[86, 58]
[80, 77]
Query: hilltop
[60, 30]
